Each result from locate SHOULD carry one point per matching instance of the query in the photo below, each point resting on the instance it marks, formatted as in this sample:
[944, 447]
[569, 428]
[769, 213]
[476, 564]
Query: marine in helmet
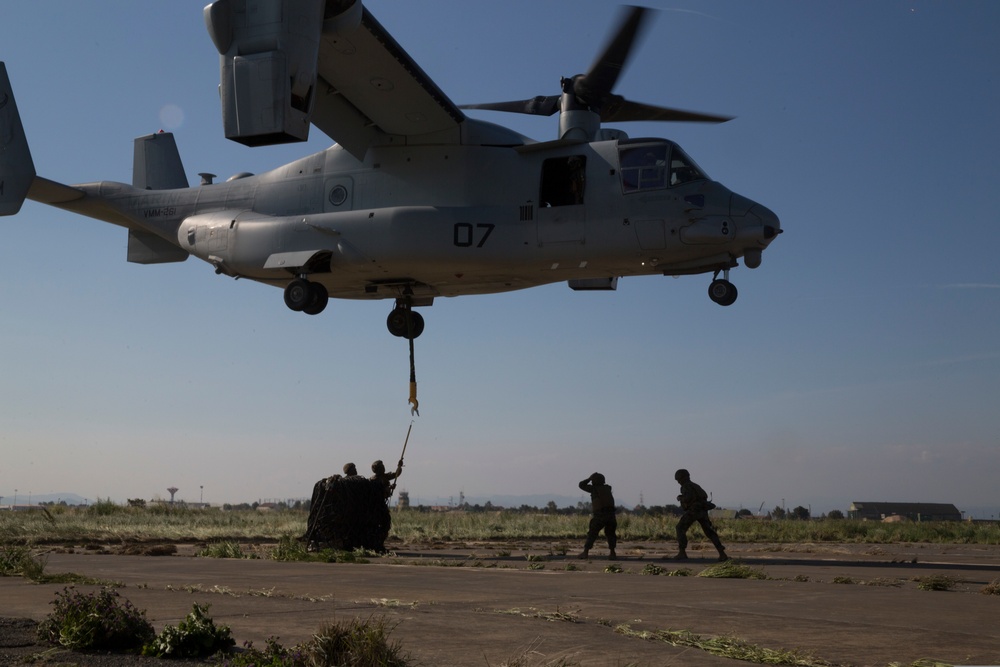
[386, 478]
[695, 504]
[603, 516]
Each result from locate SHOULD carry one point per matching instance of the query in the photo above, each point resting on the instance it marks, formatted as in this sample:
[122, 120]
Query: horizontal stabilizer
[17, 171]
[146, 248]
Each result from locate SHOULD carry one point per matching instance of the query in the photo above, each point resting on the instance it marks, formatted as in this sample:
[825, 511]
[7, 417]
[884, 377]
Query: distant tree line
[799, 513]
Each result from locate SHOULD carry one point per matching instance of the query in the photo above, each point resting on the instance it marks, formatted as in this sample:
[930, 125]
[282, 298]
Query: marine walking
[603, 515]
[695, 505]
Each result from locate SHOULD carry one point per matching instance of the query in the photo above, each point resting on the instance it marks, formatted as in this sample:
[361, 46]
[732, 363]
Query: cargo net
[348, 513]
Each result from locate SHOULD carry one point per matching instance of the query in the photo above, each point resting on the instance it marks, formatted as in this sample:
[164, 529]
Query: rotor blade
[602, 76]
[536, 106]
[622, 110]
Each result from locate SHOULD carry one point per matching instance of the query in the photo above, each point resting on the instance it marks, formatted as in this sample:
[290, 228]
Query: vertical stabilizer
[17, 171]
[156, 163]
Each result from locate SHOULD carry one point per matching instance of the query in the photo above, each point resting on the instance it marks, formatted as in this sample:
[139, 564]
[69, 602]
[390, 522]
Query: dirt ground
[534, 604]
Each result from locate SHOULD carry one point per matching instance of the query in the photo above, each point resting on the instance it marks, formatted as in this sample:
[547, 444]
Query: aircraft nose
[770, 225]
[758, 224]
[748, 209]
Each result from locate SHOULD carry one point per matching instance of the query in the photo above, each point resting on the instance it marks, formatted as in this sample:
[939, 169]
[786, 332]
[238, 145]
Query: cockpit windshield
[655, 165]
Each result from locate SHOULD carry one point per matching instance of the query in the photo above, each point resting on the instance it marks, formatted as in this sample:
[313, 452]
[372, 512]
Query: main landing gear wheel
[318, 298]
[306, 297]
[722, 292]
[397, 323]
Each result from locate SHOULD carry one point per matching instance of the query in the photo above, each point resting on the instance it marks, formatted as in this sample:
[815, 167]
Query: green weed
[273, 655]
[226, 549]
[290, 549]
[96, 621]
[196, 636]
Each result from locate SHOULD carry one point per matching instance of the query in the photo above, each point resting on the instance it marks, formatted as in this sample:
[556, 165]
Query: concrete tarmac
[493, 604]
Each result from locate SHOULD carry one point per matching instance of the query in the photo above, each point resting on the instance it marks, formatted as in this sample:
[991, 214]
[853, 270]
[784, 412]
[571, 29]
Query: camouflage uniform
[603, 503]
[385, 478]
[694, 501]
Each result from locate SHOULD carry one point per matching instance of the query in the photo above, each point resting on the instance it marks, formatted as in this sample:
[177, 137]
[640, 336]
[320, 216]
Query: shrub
[105, 507]
[355, 643]
[273, 655]
[291, 549]
[224, 550]
[102, 620]
[732, 569]
[936, 582]
[194, 637]
[992, 588]
[18, 561]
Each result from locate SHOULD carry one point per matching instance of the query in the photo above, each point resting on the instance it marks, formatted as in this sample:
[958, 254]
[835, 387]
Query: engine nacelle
[269, 50]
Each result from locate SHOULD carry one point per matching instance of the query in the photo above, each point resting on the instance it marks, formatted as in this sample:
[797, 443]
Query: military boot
[613, 556]
[681, 555]
[723, 556]
[584, 555]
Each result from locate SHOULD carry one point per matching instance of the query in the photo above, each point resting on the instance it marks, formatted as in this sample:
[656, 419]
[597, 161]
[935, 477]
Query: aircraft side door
[562, 214]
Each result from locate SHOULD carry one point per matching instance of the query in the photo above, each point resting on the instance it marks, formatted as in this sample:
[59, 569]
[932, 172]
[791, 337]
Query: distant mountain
[34, 499]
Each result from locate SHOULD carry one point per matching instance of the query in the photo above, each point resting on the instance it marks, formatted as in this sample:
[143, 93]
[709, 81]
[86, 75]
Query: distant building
[912, 511]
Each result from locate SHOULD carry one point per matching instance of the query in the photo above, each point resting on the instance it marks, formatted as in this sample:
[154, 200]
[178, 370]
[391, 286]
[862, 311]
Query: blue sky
[860, 362]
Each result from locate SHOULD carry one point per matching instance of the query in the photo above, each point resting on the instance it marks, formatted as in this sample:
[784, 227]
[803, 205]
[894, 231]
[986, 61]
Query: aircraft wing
[369, 86]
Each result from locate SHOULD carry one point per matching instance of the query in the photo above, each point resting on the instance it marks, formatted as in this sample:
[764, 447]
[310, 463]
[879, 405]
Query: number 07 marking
[465, 234]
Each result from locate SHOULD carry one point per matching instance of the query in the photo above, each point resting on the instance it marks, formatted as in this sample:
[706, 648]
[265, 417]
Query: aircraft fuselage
[452, 220]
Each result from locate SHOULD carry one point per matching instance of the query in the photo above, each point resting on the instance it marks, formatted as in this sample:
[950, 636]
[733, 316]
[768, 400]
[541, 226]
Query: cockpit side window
[643, 167]
[654, 166]
[683, 169]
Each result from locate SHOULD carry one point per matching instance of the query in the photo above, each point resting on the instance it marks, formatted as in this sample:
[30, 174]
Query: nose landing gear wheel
[397, 323]
[722, 292]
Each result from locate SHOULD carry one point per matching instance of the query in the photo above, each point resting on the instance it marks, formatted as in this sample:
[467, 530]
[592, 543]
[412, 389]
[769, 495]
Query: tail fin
[17, 171]
[156, 163]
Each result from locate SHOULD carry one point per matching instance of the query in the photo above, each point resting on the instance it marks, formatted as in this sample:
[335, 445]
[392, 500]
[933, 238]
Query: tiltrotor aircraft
[415, 200]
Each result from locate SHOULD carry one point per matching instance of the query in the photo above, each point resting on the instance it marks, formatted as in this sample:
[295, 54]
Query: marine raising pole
[406, 441]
